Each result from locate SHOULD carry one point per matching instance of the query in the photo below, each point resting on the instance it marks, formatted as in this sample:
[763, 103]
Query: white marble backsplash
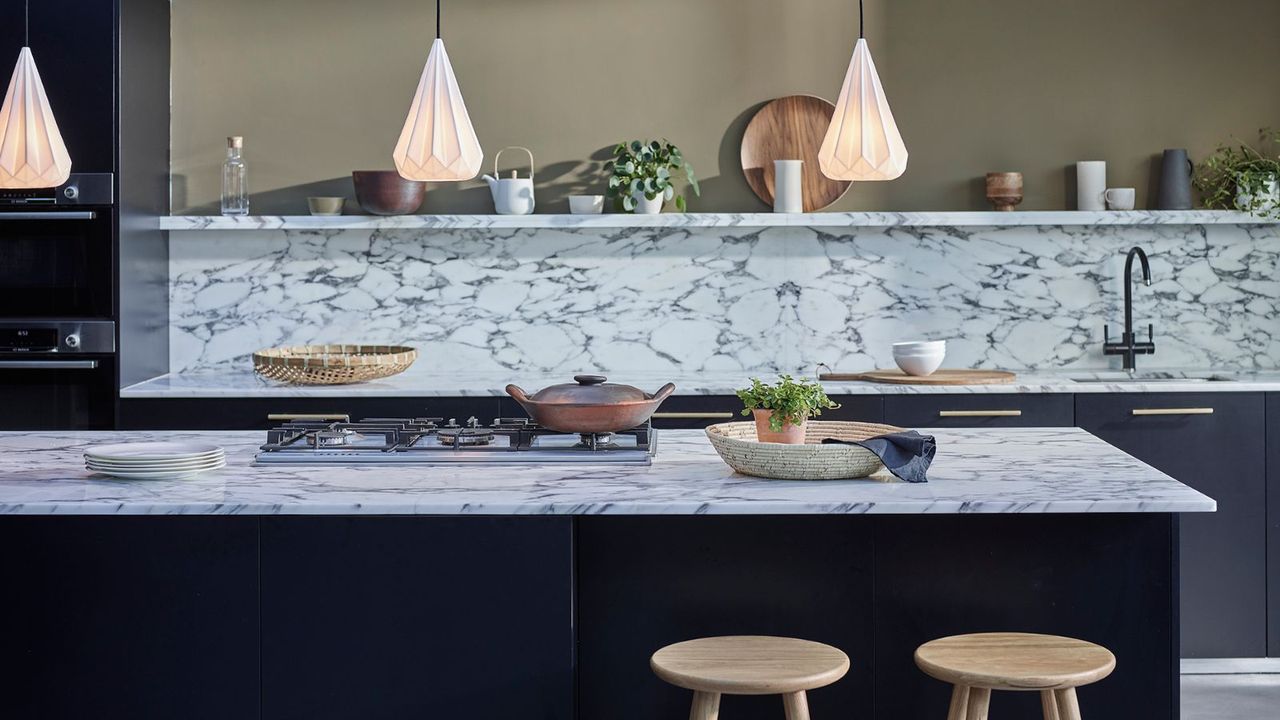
[726, 299]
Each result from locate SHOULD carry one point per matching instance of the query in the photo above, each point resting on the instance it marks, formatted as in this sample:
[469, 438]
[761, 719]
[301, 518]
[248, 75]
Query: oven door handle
[55, 215]
[48, 364]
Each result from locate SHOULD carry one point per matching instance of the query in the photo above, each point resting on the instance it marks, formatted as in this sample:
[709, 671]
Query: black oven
[57, 305]
[57, 257]
[57, 374]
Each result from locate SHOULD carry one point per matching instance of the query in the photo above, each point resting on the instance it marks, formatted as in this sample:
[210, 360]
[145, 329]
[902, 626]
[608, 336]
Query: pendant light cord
[860, 35]
[437, 19]
[26, 23]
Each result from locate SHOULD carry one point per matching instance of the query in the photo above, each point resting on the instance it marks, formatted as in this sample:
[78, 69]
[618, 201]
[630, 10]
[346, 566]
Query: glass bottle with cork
[235, 189]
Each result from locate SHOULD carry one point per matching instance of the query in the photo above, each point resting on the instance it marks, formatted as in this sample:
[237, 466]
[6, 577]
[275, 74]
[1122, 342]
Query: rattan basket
[332, 364]
[736, 442]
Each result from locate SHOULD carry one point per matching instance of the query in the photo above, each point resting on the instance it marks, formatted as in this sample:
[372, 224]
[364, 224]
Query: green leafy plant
[1238, 174]
[792, 401]
[647, 168]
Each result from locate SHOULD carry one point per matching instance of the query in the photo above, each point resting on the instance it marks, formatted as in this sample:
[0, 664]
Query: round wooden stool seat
[749, 665]
[1015, 661]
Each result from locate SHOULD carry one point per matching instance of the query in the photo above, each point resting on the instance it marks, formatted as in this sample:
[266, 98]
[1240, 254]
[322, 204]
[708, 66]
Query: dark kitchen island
[539, 592]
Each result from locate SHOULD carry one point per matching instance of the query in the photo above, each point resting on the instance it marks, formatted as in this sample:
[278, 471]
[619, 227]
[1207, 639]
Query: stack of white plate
[154, 460]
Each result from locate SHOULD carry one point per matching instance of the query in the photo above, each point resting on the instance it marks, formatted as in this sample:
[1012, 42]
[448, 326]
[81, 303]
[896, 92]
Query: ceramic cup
[1120, 198]
[788, 186]
[1091, 184]
[586, 204]
[1004, 190]
[325, 206]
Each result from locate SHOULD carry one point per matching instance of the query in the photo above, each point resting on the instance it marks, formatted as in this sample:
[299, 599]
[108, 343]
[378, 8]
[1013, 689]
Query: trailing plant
[792, 401]
[647, 168]
[1240, 174]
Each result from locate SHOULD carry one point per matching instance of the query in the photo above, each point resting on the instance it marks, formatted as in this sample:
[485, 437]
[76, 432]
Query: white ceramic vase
[788, 186]
[645, 206]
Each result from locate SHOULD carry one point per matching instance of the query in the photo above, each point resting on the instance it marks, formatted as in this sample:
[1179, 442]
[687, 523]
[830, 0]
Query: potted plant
[1239, 177]
[782, 411]
[642, 174]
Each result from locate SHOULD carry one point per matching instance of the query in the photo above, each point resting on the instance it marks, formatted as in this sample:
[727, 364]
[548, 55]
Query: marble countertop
[1028, 470]
[419, 381]
[691, 220]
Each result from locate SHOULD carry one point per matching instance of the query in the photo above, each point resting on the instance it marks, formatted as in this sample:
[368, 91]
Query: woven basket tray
[332, 364]
[736, 442]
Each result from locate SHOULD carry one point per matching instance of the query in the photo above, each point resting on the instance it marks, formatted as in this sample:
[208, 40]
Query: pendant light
[438, 143]
[32, 153]
[862, 142]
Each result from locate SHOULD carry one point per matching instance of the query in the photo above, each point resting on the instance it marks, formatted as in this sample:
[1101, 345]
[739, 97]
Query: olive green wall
[321, 87]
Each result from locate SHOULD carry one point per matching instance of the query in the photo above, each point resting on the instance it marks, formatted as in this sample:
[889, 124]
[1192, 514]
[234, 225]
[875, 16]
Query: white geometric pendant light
[862, 142]
[437, 142]
[32, 153]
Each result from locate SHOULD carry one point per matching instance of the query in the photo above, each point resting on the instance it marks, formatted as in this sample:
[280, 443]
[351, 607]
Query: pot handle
[513, 147]
[515, 392]
[664, 391]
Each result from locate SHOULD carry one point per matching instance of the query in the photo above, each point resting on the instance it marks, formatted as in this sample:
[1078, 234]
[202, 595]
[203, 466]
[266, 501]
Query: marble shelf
[1011, 470]
[713, 220]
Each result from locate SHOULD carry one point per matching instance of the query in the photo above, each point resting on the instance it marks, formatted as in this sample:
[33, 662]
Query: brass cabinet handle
[1173, 411]
[312, 417]
[692, 416]
[979, 413]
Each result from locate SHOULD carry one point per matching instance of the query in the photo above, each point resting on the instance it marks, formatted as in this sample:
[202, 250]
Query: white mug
[788, 186]
[586, 204]
[1091, 185]
[1120, 198]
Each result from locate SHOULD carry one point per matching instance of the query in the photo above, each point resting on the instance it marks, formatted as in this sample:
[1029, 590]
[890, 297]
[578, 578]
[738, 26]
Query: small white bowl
[920, 365]
[586, 204]
[920, 345]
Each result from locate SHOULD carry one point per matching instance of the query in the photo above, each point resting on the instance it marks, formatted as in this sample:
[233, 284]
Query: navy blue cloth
[907, 455]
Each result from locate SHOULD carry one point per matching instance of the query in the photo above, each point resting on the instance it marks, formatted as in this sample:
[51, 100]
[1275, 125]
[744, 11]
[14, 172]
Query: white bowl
[920, 345]
[919, 365]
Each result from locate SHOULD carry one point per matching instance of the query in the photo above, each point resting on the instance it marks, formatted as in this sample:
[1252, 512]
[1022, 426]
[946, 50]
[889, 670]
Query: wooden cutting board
[941, 377]
[790, 128]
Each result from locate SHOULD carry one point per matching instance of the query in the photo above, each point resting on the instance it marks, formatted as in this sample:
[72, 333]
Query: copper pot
[591, 405]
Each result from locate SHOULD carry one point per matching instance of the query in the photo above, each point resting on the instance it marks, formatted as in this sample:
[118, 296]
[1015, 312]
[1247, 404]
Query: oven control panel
[79, 189]
[57, 336]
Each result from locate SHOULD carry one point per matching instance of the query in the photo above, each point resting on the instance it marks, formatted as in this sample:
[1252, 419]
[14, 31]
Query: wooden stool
[977, 664]
[749, 665]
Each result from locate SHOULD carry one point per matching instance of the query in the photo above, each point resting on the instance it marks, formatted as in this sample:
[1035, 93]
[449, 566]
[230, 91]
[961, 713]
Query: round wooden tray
[941, 377]
[790, 128]
[738, 447]
[332, 364]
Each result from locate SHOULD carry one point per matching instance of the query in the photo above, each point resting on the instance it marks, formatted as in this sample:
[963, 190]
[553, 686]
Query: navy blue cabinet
[1213, 442]
[979, 411]
[1273, 524]
[129, 617]
[417, 617]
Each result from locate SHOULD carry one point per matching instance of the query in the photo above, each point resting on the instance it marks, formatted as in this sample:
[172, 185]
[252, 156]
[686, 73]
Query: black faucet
[1128, 346]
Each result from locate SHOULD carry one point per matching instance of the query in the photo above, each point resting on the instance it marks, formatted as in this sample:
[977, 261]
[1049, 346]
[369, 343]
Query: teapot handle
[513, 147]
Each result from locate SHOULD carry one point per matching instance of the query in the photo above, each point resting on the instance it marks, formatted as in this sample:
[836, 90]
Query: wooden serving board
[790, 128]
[941, 377]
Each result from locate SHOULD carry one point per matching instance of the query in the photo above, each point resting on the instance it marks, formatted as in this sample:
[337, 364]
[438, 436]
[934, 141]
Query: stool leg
[1049, 702]
[979, 699]
[706, 706]
[796, 706]
[1068, 706]
[959, 702]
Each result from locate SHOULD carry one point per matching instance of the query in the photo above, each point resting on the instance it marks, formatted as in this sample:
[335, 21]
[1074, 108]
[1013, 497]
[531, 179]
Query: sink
[1161, 378]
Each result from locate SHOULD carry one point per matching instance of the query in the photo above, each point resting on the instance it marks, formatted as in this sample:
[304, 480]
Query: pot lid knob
[589, 379]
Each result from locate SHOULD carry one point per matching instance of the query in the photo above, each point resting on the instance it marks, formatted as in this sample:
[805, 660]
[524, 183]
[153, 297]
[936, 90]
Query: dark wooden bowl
[384, 192]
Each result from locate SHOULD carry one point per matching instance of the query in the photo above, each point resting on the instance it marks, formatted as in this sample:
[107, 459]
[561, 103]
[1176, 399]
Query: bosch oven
[57, 306]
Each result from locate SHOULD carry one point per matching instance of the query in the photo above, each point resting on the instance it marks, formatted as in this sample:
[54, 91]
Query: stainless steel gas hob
[504, 441]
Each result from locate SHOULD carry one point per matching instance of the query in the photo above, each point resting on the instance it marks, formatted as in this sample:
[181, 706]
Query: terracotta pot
[590, 405]
[384, 192]
[790, 435]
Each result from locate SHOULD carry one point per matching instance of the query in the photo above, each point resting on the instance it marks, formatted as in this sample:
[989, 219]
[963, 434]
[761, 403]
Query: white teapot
[512, 195]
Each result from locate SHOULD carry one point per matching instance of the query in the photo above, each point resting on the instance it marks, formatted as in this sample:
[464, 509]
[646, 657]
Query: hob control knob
[71, 192]
[72, 341]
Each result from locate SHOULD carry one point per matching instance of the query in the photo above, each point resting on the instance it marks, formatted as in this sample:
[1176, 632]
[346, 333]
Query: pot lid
[590, 390]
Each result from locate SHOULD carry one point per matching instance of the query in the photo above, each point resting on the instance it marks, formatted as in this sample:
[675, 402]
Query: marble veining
[743, 300]
[1019, 470]
[419, 382]
[706, 220]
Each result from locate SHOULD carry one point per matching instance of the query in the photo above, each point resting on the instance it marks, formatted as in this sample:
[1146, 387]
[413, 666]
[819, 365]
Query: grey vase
[1175, 181]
